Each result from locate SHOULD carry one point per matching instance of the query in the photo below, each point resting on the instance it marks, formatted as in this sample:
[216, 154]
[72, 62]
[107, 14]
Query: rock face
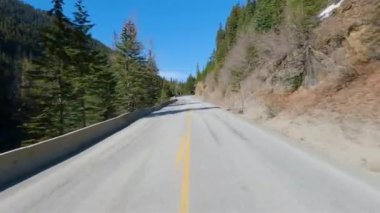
[352, 36]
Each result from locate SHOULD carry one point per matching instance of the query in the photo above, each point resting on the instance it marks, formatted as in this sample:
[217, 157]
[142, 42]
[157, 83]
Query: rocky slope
[320, 86]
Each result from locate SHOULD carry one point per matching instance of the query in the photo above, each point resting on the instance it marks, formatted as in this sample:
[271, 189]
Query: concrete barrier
[24, 162]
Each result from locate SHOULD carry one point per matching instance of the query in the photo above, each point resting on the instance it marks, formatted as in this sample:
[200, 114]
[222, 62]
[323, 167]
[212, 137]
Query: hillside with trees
[55, 78]
[19, 43]
[306, 68]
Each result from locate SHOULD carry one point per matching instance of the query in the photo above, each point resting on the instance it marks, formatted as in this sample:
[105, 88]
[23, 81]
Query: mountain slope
[19, 24]
[307, 76]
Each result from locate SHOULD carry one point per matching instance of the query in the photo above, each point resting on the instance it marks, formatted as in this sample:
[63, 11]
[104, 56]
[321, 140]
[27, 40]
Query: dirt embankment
[323, 89]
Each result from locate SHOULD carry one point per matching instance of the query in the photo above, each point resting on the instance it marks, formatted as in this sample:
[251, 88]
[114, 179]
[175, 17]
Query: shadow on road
[172, 112]
[184, 104]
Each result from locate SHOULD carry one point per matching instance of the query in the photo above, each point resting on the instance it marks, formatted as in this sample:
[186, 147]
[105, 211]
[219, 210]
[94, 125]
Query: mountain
[309, 69]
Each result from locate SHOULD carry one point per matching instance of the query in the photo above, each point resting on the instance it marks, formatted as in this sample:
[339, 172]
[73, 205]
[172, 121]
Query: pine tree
[247, 13]
[221, 45]
[50, 85]
[268, 14]
[232, 26]
[198, 72]
[133, 76]
[94, 83]
[105, 86]
[154, 79]
[129, 47]
[189, 86]
[83, 58]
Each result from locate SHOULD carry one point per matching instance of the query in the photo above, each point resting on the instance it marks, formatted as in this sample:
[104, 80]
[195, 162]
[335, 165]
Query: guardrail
[24, 162]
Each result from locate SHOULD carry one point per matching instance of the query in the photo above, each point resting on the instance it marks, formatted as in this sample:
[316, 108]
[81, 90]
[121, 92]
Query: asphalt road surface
[191, 157]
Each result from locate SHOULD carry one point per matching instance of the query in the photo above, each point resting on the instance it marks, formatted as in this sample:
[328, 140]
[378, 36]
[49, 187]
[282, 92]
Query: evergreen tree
[154, 87]
[50, 85]
[83, 57]
[105, 87]
[268, 14]
[198, 72]
[102, 88]
[133, 77]
[94, 81]
[232, 26]
[221, 45]
[247, 13]
[189, 86]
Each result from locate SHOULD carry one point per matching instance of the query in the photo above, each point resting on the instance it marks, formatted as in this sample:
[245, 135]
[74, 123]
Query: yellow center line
[184, 157]
[181, 151]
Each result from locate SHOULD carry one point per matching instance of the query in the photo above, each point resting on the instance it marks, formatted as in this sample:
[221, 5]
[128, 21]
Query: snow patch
[329, 10]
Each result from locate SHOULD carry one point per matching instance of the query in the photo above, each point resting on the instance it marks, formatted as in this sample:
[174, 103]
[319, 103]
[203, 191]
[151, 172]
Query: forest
[56, 78]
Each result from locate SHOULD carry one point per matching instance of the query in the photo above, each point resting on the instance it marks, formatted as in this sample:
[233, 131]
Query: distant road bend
[191, 157]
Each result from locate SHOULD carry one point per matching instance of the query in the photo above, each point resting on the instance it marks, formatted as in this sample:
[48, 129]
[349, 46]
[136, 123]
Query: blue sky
[181, 33]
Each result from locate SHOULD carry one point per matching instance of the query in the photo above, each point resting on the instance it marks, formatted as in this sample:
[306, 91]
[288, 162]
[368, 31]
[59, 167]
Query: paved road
[191, 157]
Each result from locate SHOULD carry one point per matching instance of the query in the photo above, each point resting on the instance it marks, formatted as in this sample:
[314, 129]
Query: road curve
[191, 157]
